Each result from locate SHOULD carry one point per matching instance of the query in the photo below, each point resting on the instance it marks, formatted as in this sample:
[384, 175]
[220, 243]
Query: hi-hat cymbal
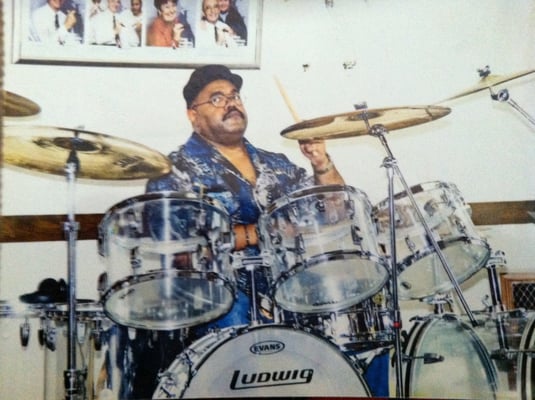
[47, 149]
[357, 123]
[15, 105]
[488, 81]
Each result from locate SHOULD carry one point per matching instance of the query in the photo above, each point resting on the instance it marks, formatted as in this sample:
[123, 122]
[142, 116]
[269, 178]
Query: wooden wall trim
[41, 228]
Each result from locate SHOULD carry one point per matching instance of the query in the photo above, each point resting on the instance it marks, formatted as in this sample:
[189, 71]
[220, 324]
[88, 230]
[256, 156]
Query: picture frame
[89, 42]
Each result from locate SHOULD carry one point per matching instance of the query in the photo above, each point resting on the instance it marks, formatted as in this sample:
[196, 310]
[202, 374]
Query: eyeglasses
[220, 100]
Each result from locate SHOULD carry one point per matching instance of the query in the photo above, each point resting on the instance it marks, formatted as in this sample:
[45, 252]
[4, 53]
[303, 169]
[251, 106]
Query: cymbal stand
[390, 163]
[73, 378]
[503, 96]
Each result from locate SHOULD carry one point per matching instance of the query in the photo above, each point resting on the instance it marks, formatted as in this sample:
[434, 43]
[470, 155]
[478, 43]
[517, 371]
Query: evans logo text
[267, 347]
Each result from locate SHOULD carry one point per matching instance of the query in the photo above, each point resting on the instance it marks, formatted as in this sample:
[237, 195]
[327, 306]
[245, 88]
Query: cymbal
[489, 81]
[46, 149]
[15, 105]
[355, 123]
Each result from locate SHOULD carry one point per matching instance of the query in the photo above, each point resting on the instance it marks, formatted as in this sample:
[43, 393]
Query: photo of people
[170, 26]
[56, 22]
[140, 31]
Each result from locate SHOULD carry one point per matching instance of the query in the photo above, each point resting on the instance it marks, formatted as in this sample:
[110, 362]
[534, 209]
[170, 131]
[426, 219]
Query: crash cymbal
[355, 123]
[488, 81]
[46, 149]
[15, 105]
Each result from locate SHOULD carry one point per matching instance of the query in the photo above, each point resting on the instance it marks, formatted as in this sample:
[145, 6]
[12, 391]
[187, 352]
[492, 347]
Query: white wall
[407, 53]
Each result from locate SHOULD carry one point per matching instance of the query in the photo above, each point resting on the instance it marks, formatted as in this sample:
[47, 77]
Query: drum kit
[337, 269]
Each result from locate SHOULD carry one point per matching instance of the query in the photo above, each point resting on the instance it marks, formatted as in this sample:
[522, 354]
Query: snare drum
[325, 249]
[421, 273]
[447, 360]
[168, 262]
[267, 360]
[362, 327]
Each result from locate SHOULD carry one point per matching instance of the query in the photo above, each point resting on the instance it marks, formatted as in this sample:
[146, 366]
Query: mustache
[231, 110]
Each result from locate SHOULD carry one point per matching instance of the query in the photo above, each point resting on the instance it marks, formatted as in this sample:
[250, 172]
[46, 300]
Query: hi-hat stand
[74, 379]
[392, 168]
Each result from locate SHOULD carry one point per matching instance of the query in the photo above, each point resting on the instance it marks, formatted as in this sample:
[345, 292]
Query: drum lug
[41, 336]
[80, 332]
[410, 244]
[276, 239]
[101, 242]
[299, 244]
[135, 261]
[24, 333]
[350, 208]
[102, 283]
[460, 226]
[320, 206]
[50, 338]
[97, 335]
[357, 238]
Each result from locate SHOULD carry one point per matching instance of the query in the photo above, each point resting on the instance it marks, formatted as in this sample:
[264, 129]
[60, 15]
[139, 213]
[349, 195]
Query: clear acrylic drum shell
[526, 362]
[420, 272]
[89, 318]
[466, 371]
[19, 362]
[502, 333]
[361, 327]
[253, 361]
[129, 361]
[324, 247]
[147, 285]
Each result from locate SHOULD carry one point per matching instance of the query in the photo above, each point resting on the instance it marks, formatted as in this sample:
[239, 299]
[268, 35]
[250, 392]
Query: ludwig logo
[267, 347]
[260, 379]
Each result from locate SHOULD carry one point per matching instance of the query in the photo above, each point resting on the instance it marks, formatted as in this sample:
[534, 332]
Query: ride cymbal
[487, 81]
[47, 149]
[14, 105]
[358, 123]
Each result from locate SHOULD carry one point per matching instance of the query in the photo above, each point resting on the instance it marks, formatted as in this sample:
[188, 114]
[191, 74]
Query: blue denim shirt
[198, 167]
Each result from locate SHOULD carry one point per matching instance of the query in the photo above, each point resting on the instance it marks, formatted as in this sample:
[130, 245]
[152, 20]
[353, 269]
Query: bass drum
[421, 273]
[502, 332]
[447, 360]
[526, 362]
[268, 360]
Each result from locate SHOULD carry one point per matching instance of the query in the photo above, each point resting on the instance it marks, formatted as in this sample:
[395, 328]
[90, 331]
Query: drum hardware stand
[503, 96]
[390, 163]
[497, 310]
[494, 282]
[74, 380]
[250, 264]
[438, 302]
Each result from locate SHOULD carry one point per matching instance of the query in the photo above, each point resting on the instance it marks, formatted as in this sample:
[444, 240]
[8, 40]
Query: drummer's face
[221, 125]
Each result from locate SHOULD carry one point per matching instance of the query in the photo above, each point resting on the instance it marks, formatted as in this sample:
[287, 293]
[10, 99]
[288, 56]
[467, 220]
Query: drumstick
[287, 100]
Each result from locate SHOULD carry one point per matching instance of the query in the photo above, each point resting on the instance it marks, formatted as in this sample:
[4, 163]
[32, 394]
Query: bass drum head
[271, 360]
[448, 361]
[526, 362]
